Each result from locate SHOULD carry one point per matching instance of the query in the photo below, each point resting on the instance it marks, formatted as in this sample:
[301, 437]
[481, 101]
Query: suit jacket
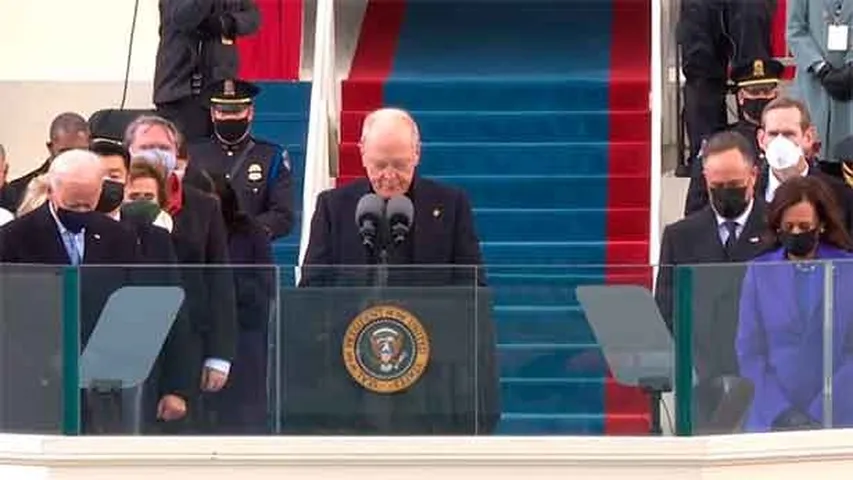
[843, 193]
[34, 238]
[200, 239]
[695, 240]
[442, 234]
[175, 372]
[254, 273]
[781, 352]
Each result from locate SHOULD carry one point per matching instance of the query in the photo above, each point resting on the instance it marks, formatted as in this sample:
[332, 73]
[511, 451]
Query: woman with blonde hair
[35, 196]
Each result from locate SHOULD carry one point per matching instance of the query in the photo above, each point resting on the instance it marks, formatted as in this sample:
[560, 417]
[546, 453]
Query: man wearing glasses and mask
[259, 171]
[756, 85]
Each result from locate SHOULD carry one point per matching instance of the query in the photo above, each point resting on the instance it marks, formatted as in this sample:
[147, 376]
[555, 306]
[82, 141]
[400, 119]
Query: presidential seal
[386, 349]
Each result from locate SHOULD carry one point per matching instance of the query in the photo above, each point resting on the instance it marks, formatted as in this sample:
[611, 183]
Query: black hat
[231, 94]
[757, 72]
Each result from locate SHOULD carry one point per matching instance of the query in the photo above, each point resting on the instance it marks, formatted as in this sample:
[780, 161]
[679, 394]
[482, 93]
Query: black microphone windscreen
[400, 209]
[370, 206]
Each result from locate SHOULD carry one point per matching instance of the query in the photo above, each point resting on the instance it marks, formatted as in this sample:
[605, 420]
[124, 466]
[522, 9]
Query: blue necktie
[71, 248]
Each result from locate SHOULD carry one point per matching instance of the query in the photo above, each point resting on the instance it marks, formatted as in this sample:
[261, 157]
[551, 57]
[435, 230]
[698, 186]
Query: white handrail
[656, 107]
[323, 119]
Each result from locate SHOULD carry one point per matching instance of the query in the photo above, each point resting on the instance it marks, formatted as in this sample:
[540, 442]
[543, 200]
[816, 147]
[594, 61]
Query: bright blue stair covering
[512, 99]
[281, 116]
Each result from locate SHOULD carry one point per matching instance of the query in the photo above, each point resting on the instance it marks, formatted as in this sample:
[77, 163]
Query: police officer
[710, 34]
[756, 84]
[259, 171]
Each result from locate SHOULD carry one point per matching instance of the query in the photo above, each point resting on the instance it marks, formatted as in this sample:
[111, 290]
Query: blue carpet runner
[519, 105]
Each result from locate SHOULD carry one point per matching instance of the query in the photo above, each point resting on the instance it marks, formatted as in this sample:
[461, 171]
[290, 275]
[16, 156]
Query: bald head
[390, 150]
[67, 132]
[75, 180]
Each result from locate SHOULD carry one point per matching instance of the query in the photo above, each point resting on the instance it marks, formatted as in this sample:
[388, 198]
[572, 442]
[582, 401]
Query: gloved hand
[838, 82]
[217, 26]
[793, 419]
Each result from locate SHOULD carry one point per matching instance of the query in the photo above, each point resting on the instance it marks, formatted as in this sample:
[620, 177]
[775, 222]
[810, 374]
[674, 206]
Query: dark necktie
[731, 238]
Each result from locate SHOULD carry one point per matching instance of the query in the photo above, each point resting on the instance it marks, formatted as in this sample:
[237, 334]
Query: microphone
[368, 218]
[400, 213]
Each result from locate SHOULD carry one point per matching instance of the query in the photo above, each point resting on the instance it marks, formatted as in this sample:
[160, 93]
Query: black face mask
[754, 107]
[112, 194]
[799, 244]
[231, 131]
[72, 220]
[729, 202]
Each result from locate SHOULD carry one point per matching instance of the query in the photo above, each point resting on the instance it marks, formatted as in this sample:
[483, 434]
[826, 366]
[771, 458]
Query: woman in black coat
[242, 406]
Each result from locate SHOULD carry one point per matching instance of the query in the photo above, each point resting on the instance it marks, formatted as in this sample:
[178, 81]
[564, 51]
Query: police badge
[386, 349]
[255, 173]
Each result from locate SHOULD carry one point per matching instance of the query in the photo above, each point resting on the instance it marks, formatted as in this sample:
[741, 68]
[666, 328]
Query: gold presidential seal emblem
[386, 349]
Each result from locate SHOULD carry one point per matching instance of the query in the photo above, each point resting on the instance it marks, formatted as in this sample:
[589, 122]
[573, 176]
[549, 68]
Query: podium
[387, 361]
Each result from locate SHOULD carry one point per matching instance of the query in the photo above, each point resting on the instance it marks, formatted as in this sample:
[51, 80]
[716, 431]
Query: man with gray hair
[199, 237]
[67, 131]
[440, 235]
[66, 230]
[390, 152]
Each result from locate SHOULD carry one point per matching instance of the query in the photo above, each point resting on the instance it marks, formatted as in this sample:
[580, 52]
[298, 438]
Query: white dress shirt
[740, 221]
[79, 238]
[5, 216]
[773, 183]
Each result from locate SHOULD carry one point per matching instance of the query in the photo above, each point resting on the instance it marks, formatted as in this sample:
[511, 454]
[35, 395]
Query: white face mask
[782, 153]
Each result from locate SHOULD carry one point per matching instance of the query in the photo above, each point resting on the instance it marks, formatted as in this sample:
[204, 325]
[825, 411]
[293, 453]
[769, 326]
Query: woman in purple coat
[780, 333]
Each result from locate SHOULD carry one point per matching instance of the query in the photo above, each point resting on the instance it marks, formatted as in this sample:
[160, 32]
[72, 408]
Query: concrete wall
[61, 56]
[820, 454]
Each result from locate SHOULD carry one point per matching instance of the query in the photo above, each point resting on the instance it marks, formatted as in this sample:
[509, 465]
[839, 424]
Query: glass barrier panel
[576, 347]
[387, 351]
[766, 340]
[155, 341]
[33, 342]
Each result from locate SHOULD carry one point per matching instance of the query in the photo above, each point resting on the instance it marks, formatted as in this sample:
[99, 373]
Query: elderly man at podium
[391, 333]
[441, 227]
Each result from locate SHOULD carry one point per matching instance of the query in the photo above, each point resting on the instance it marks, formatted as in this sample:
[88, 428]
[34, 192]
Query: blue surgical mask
[157, 157]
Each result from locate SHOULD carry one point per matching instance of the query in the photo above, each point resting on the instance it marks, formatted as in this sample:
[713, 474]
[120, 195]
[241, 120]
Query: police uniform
[259, 171]
[750, 73]
[710, 33]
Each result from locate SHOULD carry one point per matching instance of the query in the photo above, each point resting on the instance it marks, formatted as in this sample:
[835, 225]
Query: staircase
[539, 111]
[281, 117]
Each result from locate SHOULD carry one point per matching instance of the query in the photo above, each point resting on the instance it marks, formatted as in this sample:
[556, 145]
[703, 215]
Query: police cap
[757, 72]
[232, 95]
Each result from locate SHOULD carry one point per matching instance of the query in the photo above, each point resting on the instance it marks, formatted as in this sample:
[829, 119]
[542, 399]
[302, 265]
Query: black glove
[218, 26]
[838, 82]
[793, 419]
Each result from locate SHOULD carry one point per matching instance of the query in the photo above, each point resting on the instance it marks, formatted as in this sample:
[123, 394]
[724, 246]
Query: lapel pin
[436, 213]
[96, 236]
[754, 240]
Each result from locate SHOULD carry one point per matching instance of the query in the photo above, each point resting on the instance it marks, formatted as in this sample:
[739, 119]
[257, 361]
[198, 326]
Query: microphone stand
[382, 268]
